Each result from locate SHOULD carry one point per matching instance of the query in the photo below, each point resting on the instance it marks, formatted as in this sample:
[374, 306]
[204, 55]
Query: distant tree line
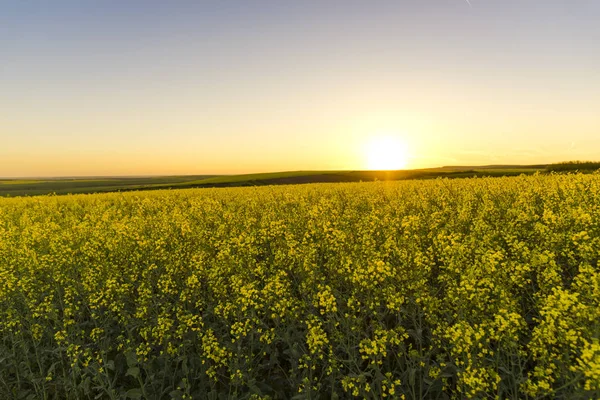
[574, 166]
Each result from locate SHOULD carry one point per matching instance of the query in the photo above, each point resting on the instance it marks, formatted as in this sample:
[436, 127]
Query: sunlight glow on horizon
[386, 153]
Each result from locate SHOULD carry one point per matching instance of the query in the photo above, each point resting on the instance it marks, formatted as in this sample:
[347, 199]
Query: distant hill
[41, 186]
[574, 166]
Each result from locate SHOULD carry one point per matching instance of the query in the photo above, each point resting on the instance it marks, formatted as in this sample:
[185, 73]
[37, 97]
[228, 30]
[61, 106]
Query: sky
[149, 87]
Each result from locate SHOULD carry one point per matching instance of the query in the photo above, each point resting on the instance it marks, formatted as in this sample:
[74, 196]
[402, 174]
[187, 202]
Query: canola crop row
[474, 288]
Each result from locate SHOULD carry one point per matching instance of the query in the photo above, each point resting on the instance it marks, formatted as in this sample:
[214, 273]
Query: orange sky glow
[132, 88]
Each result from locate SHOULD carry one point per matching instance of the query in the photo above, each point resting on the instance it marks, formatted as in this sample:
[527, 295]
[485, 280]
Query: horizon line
[125, 176]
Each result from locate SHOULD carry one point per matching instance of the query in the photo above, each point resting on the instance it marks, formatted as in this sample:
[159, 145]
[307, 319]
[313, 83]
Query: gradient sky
[191, 87]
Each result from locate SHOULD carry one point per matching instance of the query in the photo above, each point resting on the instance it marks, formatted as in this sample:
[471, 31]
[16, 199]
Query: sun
[386, 153]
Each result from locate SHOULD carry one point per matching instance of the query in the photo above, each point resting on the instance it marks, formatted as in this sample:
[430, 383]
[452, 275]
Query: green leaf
[134, 393]
[131, 358]
[133, 371]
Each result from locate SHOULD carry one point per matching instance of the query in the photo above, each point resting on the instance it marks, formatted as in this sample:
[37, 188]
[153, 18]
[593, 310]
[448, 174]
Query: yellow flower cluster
[473, 288]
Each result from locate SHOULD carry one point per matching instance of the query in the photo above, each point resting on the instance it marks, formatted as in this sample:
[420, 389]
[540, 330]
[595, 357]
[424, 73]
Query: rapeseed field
[442, 289]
